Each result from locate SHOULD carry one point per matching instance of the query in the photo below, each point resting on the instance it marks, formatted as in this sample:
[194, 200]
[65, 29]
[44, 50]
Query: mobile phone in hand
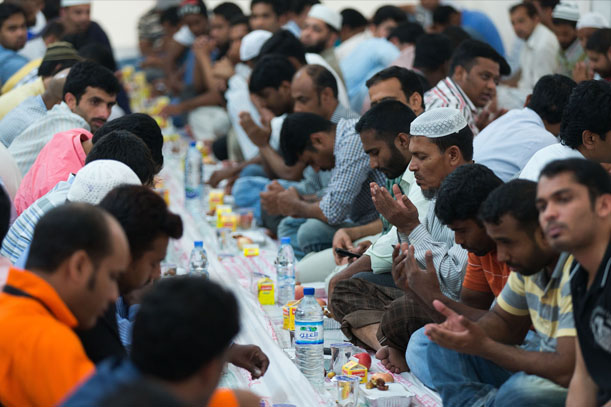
[345, 253]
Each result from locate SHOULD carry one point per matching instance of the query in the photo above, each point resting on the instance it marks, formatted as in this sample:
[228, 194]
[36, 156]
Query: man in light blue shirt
[506, 144]
[13, 36]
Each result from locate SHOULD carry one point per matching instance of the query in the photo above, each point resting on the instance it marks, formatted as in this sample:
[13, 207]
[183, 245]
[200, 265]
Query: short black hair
[410, 82]
[585, 172]
[228, 10]
[183, 324]
[239, 20]
[123, 146]
[295, 134]
[407, 32]
[170, 16]
[562, 21]
[142, 126]
[99, 53]
[322, 78]
[442, 14]
[353, 18]
[141, 392]
[432, 51]
[588, 108]
[280, 7]
[5, 212]
[462, 192]
[531, 10]
[389, 13]
[515, 198]
[387, 119]
[600, 41]
[7, 10]
[468, 51]
[55, 28]
[456, 34]
[550, 96]
[270, 72]
[144, 216]
[463, 140]
[298, 6]
[65, 230]
[90, 74]
[548, 3]
[283, 42]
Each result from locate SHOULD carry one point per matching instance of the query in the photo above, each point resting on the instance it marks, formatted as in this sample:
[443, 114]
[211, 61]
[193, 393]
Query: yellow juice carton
[353, 368]
[288, 315]
[230, 221]
[265, 289]
[251, 250]
[215, 198]
[220, 210]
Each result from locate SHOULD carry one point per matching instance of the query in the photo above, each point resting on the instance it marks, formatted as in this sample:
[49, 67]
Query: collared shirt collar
[472, 107]
[536, 35]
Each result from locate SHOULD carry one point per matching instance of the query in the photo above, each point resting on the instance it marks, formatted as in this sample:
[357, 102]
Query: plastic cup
[340, 353]
[347, 391]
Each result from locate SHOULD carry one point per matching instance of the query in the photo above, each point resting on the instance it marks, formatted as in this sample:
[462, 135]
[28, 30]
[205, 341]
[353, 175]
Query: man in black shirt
[574, 203]
[80, 30]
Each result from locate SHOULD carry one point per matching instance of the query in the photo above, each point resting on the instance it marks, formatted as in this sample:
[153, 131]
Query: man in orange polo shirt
[78, 252]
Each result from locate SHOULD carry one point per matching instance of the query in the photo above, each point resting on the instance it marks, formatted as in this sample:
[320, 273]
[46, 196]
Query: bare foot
[392, 359]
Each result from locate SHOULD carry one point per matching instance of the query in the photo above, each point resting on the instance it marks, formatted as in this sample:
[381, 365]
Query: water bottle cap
[192, 144]
[198, 243]
[308, 291]
[285, 240]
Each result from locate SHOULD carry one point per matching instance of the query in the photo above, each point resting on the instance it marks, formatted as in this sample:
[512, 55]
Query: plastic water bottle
[198, 261]
[309, 339]
[285, 272]
[193, 173]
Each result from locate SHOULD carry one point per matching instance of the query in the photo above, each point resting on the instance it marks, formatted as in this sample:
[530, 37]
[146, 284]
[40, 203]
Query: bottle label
[309, 333]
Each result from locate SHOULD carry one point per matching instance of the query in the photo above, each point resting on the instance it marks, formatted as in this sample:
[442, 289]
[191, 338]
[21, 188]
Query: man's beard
[429, 194]
[316, 48]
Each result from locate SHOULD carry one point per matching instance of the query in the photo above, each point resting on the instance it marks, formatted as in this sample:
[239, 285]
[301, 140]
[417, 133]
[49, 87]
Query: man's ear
[460, 74]
[528, 100]
[415, 102]
[318, 140]
[70, 100]
[79, 267]
[454, 155]
[589, 139]
[402, 141]
[326, 95]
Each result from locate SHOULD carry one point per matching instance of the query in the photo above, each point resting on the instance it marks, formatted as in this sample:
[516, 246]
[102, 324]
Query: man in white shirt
[584, 133]
[89, 94]
[537, 58]
[506, 144]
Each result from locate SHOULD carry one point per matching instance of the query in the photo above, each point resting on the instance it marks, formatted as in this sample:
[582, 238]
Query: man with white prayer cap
[252, 44]
[321, 32]
[383, 318]
[588, 23]
[564, 26]
[75, 15]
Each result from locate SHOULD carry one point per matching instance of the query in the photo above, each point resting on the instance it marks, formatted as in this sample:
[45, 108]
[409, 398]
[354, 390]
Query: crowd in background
[451, 190]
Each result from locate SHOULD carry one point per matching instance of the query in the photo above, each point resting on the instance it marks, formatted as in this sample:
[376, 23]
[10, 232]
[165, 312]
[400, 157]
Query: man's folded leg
[356, 304]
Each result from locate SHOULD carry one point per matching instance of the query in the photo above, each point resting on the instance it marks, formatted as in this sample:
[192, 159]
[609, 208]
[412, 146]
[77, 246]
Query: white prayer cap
[252, 43]
[98, 178]
[592, 20]
[70, 3]
[329, 16]
[566, 10]
[437, 123]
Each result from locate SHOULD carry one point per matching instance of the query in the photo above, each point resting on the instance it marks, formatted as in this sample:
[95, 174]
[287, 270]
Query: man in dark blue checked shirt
[312, 140]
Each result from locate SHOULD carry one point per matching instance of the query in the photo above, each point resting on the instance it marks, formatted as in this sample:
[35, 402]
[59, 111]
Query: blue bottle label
[309, 333]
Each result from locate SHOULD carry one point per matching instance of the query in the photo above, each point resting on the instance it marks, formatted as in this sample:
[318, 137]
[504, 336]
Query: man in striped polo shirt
[475, 70]
[477, 363]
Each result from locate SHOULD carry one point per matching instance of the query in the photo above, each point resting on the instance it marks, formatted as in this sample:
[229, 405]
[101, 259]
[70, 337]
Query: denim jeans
[308, 235]
[417, 349]
[465, 380]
